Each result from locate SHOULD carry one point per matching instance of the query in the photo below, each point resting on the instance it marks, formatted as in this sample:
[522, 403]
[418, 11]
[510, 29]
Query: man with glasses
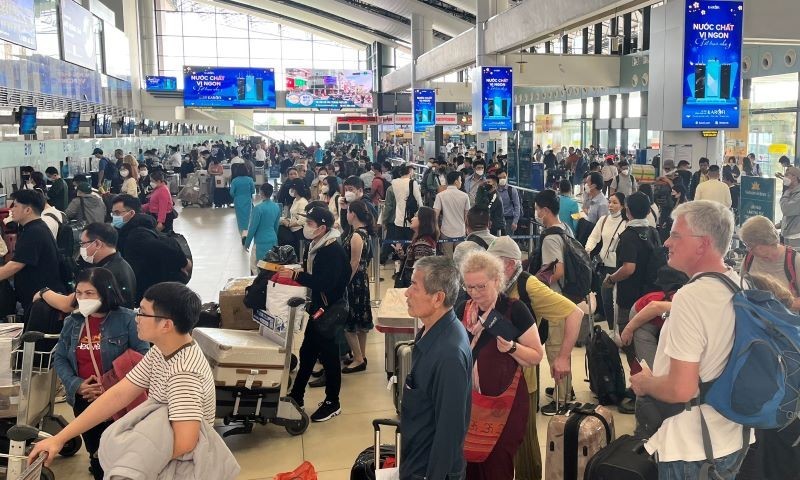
[35, 264]
[174, 372]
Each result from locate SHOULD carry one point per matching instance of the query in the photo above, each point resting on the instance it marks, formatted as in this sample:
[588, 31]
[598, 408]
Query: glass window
[635, 105]
[776, 91]
[169, 23]
[170, 5]
[333, 64]
[327, 51]
[199, 24]
[293, 33]
[260, 28]
[297, 49]
[605, 108]
[233, 25]
[233, 47]
[265, 48]
[589, 108]
[200, 47]
[574, 109]
[171, 46]
[170, 63]
[201, 61]
[233, 62]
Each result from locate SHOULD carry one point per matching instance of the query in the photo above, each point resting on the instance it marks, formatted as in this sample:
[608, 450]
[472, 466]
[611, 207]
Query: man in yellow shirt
[561, 313]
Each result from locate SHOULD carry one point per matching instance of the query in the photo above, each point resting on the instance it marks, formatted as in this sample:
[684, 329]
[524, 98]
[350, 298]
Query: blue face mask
[117, 221]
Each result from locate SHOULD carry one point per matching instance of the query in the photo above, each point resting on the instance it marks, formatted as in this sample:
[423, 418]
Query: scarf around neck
[326, 240]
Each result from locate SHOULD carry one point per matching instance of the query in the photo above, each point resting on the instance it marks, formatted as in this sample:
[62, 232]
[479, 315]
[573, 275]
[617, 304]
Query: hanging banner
[424, 109]
[497, 88]
[712, 64]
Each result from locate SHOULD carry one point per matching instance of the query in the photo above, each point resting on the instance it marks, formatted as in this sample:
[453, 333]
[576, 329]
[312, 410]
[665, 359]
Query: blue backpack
[760, 385]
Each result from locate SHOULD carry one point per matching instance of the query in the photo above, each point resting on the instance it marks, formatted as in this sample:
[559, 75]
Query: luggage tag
[392, 381]
[248, 384]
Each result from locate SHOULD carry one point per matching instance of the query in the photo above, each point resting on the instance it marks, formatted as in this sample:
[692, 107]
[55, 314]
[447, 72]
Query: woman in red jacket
[160, 204]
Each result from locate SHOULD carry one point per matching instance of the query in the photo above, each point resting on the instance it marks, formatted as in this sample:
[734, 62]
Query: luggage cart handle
[34, 336]
[295, 302]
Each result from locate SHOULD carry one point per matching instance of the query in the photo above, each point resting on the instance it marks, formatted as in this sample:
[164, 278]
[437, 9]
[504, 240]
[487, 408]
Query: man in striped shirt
[174, 372]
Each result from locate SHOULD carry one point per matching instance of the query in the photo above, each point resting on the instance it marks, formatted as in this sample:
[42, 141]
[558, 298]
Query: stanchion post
[531, 229]
[376, 269]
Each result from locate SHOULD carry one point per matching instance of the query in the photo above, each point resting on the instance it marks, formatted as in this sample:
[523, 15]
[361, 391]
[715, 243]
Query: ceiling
[363, 21]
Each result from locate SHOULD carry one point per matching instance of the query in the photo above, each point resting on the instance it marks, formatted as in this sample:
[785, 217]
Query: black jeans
[91, 438]
[326, 350]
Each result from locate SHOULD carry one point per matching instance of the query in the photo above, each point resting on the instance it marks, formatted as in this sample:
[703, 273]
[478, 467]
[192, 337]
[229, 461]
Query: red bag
[121, 366]
[303, 472]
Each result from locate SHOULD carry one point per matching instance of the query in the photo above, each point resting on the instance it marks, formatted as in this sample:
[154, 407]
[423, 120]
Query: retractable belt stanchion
[376, 270]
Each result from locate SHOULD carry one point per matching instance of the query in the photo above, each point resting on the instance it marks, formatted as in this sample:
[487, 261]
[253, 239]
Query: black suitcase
[387, 455]
[209, 316]
[623, 459]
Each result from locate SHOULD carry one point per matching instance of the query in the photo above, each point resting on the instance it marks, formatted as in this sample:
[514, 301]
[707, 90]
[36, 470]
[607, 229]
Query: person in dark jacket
[57, 194]
[326, 273]
[488, 198]
[699, 177]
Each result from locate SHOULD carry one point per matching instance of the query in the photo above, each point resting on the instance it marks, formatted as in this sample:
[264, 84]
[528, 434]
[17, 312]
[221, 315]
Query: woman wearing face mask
[290, 231]
[338, 169]
[423, 243]
[329, 193]
[602, 244]
[129, 183]
[91, 339]
[160, 204]
[317, 182]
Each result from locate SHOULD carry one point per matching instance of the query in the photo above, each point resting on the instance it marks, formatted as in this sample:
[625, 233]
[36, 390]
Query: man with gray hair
[437, 394]
[694, 347]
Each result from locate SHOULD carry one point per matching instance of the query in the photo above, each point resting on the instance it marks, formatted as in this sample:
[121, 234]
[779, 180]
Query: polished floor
[331, 446]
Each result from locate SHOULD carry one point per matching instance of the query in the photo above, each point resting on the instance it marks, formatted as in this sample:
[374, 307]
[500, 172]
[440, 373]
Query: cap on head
[320, 216]
[97, 151]
[505, 247]
[84, 187]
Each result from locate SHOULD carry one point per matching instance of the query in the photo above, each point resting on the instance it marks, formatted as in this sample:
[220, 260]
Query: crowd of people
[489, 313]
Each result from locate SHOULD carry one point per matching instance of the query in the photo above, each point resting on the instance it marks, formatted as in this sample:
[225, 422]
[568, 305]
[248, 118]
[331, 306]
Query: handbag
[119, 369]
[278, 293]
[333, 316]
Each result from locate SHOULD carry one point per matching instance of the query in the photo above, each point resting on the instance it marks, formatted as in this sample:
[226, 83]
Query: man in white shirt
[452, 204]
[694, 347]
[714, 189]
[176, 158]
[53, 217]
[400, 187]
[261, 155]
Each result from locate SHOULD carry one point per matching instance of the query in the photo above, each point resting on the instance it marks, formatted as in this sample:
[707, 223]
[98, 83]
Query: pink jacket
[160, 204]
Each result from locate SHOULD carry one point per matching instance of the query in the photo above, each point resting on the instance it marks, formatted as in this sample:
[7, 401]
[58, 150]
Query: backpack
[411, 203]
[577, 280]
[522, 291]
[386, 185]
[658, 256]
[788, 268]
[423, 187]
[67, 247]
[604, 368]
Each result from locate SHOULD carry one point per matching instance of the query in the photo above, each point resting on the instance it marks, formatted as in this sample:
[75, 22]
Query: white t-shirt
[261, 155]
[700, 329]
[400, 189]
[175, 159]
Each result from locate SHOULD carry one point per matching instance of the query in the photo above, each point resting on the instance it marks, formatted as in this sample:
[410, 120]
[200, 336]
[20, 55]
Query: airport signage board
[712, 64]
[77, 33]
[757, 197]
[424, 109]
[161, 84]
[497, 89]
[17, 24]
[228, 87]
[327, 89]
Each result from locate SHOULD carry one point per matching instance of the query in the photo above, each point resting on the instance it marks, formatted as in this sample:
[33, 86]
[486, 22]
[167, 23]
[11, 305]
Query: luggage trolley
[260, 397]
[395, 324]
[30, 402]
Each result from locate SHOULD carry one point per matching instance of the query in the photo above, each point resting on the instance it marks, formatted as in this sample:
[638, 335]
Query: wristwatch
[43, 291]
[513, 347]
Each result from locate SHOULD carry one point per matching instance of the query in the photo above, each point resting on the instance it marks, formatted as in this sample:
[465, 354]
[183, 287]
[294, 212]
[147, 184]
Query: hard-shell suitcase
[402, 367]
[623, 459]
[241, 358]
[574, 435]
[386, 457]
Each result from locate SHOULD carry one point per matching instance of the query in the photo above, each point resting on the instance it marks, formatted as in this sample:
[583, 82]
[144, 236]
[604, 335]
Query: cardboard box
[234, 314]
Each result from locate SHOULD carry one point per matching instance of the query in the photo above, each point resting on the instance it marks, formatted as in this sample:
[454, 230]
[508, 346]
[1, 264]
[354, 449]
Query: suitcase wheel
[299, 427]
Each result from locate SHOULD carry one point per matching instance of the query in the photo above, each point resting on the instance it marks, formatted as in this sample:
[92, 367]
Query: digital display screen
[116, 47]
[128, 126]
[73, 123]
[226, 87]
[161, 84]
[27, 120]
[17, 22]
[77, 32]
[497, 89]
[328, 89]
[712, 64]
[102, 124]
[424, 109]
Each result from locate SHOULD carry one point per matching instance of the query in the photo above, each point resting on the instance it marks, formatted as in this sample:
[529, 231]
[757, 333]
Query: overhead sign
[757, 198]
[497, 89]
[712, 64]
[161, 84]
[328, 89]
[358, 120]
[229, 87]
[424, 109]
[17, 22]
[77, 31]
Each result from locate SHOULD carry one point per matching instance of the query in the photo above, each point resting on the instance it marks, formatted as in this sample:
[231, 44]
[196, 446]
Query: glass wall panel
[199, 24]
[233, 47]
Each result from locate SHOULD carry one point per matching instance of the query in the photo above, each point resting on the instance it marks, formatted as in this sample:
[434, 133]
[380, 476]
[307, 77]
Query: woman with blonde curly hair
[767, 256]
[504, 338]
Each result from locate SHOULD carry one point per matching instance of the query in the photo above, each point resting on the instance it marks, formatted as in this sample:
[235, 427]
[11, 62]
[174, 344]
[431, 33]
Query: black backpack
[657, 259]
[577, 280]
[522, 290]
[604, 368]
[67, 250]
[411, 203]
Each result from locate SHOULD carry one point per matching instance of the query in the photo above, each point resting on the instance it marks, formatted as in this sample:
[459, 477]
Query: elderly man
[437, 392]
[694, 347]
[563, 315]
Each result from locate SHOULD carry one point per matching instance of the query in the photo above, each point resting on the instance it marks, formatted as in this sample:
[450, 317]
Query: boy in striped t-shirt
[174, 372]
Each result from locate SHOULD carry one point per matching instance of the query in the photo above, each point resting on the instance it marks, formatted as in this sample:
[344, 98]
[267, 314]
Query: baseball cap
[84, 187]
[320, 216]
[505, 247]
[97, 151]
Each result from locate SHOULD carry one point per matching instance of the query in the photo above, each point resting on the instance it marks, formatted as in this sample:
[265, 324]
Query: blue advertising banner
[17, 22]
[757, 197]
[712, 64]
[229, 87]
[497, 90]
[424, 109]
[77, 30]
[161, 84]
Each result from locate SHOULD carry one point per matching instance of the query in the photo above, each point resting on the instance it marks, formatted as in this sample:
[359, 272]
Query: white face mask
[89, 306]
[479, 172]
[85, 255]
[323, 189]
[322, 176]
[349, 196]
[292, 193]
[143, 173]
[503, 182]
[123, 173]
[309, 232]
[624, 171]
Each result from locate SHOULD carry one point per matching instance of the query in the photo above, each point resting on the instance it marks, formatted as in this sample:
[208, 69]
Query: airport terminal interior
[531, 134]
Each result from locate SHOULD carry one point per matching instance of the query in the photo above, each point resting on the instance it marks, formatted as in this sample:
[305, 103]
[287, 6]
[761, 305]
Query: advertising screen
[711, 64]
[161, 84]
[229, 87]
[497, 90]
[77, 27]
[73, 122]
[424, 109]
[17, 22]
[27, 120]
[328, 89]
[115, 45]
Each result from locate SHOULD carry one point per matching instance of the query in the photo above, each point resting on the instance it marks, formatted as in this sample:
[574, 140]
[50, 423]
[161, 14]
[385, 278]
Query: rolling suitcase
[241, 358]
[402, 367]
[623, 459]
[574, 435]
[386, 457]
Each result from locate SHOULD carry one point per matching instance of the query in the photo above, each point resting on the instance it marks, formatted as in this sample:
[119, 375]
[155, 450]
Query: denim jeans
[726, 468]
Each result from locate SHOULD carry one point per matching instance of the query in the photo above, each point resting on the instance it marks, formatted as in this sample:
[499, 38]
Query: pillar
[627, 33]
[421, 42]
[643, 137]
[645, 40]
[147, 37]
[585, 41]
[612, 114]
[130, 19]
[598, 38]
[623, 138]
[595, 116]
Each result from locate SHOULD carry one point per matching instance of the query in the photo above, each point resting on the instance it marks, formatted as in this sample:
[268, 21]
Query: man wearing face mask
[473, 182]
[790, 206]
[353, 190]
[509, 196]
[326, 273]
[86, 206]
[596, 204]
[489, 199]
[624, 183]
[143, 181]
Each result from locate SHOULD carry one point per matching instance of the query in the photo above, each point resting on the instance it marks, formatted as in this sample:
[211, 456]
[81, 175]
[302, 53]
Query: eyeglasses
[677, 236]
[87, 242]
[138, 312]
[119, 213]
[475, 288]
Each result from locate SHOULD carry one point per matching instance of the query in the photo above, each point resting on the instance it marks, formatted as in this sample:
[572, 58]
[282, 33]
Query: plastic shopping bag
[303, 472]
[279, 292]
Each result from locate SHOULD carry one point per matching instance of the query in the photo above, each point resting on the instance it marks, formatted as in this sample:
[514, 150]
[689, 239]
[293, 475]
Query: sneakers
[548, 392]
[549, 410]
[326, 411]
[627, 406]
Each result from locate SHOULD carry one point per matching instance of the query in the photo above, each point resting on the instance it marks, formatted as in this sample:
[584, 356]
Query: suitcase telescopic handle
[376, 425]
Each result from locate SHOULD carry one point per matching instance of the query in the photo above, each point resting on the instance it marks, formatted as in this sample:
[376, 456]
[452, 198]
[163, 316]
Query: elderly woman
[504, 339]
[766, 255]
